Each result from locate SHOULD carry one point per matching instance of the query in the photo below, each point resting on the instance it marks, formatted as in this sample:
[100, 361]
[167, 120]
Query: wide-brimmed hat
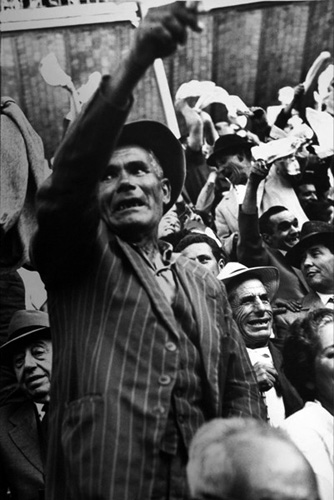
[159, 139]
[268, 275]
[312, 232]
[23, 328]
[227, 143]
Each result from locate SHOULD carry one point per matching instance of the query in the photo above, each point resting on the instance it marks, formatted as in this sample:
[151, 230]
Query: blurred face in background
[324, 367]
[202, 253]
[234, 167]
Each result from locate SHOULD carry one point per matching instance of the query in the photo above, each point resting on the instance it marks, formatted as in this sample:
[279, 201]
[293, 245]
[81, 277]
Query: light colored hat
[268, 275]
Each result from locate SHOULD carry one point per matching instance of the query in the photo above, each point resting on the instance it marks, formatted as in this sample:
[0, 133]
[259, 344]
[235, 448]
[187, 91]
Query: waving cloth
[22, 170]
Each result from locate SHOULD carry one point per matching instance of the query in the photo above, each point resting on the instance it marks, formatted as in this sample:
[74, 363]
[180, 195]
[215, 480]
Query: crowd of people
[167, 303]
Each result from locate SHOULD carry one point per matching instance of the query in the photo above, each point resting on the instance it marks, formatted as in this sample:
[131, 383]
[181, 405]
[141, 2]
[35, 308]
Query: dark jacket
[21, 459]
[116, 343]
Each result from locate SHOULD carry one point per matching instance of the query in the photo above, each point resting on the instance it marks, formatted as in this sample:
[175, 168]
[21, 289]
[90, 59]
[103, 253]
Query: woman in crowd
[309, 364]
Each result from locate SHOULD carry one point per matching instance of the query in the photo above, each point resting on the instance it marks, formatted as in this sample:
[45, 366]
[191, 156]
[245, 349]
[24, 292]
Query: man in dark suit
[250, 292]
[23, 424]
[265, 241]
[145, 348]
[314, 255]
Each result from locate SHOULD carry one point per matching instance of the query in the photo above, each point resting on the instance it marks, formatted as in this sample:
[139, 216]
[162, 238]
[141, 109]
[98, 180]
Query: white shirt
[312, 430]
[274, 403]
[325, 297]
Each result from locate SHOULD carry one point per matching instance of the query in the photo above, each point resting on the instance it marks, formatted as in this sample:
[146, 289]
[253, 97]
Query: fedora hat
[313, 231]
[158, 138]
[268, 275]
[24, 327]
[227, 143]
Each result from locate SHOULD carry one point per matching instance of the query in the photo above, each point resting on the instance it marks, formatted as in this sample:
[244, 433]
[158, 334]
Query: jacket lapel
[151, 286]
[204, 312]
[24, 434]
[311, 301]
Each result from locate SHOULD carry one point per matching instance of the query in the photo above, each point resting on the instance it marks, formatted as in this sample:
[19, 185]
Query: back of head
[246, 459]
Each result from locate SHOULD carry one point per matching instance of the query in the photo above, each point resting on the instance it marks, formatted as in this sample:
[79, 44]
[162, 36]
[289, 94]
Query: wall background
[251, 50]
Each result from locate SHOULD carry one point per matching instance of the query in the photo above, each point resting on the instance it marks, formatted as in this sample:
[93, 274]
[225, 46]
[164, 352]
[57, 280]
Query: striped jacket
[115, 336]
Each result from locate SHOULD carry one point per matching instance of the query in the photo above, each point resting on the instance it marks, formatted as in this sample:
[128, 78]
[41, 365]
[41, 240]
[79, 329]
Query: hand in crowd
[266, 375]
[162, 30]
[259, 169]
[282, 305]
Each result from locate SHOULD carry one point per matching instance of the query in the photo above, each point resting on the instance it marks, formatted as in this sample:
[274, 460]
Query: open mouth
[293, 240]
[127, 204]
[261, 323]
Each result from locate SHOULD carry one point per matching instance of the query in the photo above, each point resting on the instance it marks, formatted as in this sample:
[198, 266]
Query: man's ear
[166, 191]
[267, 238]
[221, 264]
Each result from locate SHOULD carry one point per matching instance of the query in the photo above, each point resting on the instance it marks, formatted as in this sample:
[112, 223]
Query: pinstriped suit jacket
[114, 335]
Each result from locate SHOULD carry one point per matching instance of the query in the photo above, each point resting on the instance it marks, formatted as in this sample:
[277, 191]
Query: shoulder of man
[197, 273]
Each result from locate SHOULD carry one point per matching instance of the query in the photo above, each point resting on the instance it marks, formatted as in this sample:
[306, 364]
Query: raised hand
[162, 30]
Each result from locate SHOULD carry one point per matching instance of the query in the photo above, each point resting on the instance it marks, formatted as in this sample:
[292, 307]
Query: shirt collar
[324, 297]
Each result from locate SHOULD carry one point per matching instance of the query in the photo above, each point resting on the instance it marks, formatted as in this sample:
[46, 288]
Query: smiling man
[264, 241]
[314, 255]
[145, 347]
[22, 424]
[250, 292]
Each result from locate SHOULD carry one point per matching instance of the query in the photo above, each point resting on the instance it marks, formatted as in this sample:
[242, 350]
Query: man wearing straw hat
[23, 424]
[145, 348]
[250, 292]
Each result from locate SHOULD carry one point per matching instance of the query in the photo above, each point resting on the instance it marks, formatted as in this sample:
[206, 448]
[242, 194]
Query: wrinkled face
[32, 366]
[202, 253]
[285, 231]
[317, 266]
[252, 312]
[324, 367]
[307, 192]
[132, 193]
[235, 167]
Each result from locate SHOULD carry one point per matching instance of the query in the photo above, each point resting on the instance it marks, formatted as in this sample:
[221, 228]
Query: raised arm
[68, 212]
[251, 250]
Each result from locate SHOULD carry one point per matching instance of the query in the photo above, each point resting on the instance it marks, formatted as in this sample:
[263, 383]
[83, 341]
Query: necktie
[44, 422]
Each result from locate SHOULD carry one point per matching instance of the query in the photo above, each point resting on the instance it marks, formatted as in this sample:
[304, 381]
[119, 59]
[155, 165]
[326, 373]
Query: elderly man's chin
[259, 332]
[132, 225]
[39, 394]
